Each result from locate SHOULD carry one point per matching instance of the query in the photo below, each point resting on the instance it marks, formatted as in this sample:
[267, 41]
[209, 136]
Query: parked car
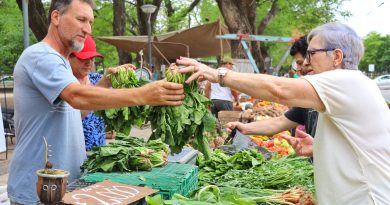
[383, 83]
[382, 78]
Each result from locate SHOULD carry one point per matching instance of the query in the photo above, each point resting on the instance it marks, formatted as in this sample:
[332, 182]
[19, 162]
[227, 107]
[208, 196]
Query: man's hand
[162, 93]
[240, 127]
[104, 82]
[302, 143]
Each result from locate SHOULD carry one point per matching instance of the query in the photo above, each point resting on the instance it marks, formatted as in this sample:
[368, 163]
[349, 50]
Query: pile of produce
[247, 169]
[127, 154]
[122, 119]
[212, 194]
[265, 138]
[219, 164]
[216, 142]
[280, 146]
[270, 105]
[265, 109]
[176, 125]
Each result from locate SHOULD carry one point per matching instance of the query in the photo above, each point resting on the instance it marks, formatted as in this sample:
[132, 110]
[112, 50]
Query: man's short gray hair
[338, 35]
[63, 5]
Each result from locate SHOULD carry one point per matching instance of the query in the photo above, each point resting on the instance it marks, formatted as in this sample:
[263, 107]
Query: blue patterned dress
[93, 126]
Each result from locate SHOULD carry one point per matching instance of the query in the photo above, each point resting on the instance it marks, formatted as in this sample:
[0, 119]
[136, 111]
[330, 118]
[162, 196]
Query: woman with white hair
[352, 144]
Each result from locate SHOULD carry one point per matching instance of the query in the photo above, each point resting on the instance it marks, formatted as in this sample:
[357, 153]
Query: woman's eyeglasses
[311, 52]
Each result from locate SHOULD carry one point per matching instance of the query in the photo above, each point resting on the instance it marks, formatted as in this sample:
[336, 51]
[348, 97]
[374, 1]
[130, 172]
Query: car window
[385, 78]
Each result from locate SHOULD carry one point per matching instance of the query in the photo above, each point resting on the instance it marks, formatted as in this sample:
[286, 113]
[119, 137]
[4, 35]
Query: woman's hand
[302, 143]
[240, 127]
[200, 70]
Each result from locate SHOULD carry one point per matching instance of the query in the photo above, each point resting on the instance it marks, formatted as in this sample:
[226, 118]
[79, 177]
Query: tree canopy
[11, 35]
[124, 17]
[377, 52]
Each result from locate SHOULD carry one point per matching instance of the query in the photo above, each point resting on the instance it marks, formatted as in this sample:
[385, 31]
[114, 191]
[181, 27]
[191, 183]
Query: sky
[367, 16]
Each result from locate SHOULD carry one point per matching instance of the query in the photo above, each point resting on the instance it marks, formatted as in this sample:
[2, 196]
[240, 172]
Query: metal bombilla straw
[48, 164]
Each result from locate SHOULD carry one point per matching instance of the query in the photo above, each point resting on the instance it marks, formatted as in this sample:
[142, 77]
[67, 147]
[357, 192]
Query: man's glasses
[311, 52]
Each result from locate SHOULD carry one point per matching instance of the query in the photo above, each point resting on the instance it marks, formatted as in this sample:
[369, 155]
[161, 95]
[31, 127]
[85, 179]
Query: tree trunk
[119, 26]
[260, 53]
[37, 19]
[238, 16]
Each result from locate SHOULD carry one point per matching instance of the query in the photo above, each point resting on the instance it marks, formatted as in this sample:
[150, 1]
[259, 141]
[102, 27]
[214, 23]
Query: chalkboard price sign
[107, 193]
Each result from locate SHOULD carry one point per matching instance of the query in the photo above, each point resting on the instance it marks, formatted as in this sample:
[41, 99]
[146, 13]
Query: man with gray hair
[48, 99]
[352, 145]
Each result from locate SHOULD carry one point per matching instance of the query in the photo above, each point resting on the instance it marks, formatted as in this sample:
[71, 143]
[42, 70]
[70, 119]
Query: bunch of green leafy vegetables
[212, 194]
[122, 119]
[220, 163]
[176, 125]
[277, 173]
[127, 154]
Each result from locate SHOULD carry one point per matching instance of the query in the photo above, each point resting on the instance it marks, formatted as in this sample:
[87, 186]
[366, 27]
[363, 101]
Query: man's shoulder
[41, 49]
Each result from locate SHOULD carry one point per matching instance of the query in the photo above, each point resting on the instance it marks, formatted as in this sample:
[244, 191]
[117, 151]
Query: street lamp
[149, 9]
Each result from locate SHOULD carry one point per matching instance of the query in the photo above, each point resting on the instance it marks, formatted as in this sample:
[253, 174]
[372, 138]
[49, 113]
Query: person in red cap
[83, 64]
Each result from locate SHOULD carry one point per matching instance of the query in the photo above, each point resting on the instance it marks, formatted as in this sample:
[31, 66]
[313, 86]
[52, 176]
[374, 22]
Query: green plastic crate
[170, 179]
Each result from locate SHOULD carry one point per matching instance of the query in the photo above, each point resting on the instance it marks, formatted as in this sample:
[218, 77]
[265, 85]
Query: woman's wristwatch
[221, 75]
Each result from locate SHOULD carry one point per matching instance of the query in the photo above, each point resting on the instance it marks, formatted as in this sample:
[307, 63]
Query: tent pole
[25, 23]
[220, 41]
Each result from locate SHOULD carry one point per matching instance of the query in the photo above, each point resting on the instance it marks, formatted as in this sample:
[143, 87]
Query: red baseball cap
[89, 50]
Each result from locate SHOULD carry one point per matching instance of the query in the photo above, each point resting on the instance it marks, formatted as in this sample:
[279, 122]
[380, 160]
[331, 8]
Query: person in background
[292, 73]
[83, 64]
[293, 118]
[351, 147]
[222, 97]
[48, 99]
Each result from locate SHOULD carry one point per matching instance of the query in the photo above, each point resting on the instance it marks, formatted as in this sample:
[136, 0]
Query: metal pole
[281, 62]
[150, 43]
[26, 38]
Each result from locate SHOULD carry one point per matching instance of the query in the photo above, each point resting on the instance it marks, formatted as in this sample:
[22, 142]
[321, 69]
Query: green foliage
[103, 27]
[209, 11]
[126, 154]
[176, 125]
[377, 52]
[122, 119]
[296, 18]
[11, 35]
[384, 57]
[217, 195]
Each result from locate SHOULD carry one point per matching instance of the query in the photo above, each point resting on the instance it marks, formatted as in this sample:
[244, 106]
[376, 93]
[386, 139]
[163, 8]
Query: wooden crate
[229, 116]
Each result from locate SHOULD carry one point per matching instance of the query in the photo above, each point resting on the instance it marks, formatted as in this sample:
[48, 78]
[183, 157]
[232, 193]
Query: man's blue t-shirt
[40, 76]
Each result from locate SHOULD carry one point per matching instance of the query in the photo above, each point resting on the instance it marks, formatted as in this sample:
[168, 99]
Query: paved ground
[4, 161]
[4, 172]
